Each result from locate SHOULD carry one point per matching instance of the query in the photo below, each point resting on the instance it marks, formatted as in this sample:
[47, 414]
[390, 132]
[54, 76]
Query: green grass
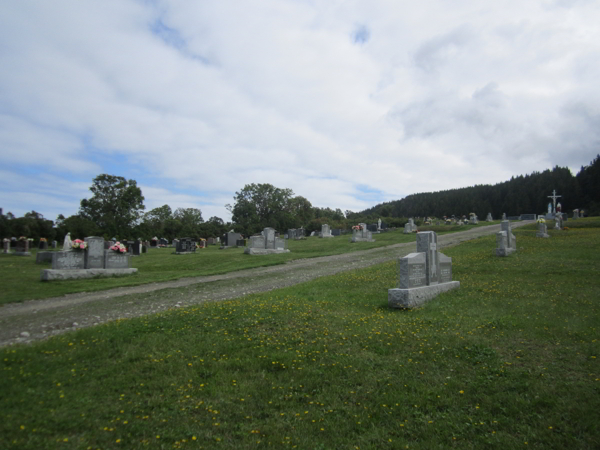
[509, 360]
[21, 275]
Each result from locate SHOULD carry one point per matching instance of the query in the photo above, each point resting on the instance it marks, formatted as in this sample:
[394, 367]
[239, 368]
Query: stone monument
[489, 218]
[542, 230]
[230, 240]
[185, 246]
[325, 231]
[94, 256]
[360, 233]
[266, 244]
[410, 226]
[506, 242]
[422, 275]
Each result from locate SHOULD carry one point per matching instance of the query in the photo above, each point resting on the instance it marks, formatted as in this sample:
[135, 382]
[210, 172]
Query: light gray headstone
[511, 240]
[69, 260]
[257, 242]
[280, 244]
[94, 255]
[427, 243]
[445, 268]
[269, 234]
[411, 271]
[114, 260]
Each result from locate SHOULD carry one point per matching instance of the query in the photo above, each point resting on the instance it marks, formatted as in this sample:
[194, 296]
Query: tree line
[524, 194]
[116, 208]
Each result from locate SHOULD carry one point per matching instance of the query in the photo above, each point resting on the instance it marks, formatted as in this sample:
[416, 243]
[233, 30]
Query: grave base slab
[542, 235]
[415, 297]
[263, 251]
[184, 253]
[54, 274]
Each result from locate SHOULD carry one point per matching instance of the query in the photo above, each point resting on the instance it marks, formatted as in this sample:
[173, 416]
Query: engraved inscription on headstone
[427, 243]
[94, 255]
[113, 260]
[69, 260]
[411, 271]
[445, 268]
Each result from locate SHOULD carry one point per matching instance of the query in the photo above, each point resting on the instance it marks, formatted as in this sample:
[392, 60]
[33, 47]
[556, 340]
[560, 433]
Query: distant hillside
[521, 195]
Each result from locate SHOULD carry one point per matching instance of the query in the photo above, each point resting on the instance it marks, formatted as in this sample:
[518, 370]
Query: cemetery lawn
[509, 360]
[21, 275]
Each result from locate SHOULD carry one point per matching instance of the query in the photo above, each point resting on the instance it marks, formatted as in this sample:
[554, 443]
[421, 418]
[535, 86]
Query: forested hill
[521, 195]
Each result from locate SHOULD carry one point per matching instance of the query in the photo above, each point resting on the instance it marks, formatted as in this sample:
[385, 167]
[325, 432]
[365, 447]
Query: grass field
[509, 360]
[21, 276]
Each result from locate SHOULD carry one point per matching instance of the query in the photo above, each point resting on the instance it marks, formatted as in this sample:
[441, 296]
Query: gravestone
[362, 235]
[22, 248]
[542, 230]
[558, 222]
[163, 241]
[506, 242]
[114, 260]
[503, 216]
[6, 243]
[325, 231]
[266, 244]
[43, 245]
[410, 226]
[175, 241]
[379, 224]
[94, 255]
[69, 260]
[154, 242]
[43, 257]
[185, 246]
[422, 275]
[489, 218]
[312, 233]
[474, 220]
[336, 232]
[230, 240]
[575, 214]
[240, 243]
[54, 244]
[136, 248]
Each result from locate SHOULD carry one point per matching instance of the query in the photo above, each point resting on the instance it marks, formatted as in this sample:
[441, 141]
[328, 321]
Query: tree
[260, 205]
[116, 205]
[155, 221]
[190, 220]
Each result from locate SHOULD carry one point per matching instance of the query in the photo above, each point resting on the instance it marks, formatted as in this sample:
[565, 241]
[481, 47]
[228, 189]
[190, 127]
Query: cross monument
[554, 197]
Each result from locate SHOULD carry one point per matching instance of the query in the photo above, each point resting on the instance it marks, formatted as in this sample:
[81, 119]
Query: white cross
[554, 197]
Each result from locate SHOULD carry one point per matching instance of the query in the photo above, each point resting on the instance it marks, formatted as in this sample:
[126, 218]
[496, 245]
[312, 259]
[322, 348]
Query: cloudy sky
[348, 103]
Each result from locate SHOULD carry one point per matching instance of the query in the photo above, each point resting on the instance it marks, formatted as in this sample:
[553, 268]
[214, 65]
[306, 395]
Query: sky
[347, 103]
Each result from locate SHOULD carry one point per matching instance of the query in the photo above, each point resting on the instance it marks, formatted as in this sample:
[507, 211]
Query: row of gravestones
[95, 256]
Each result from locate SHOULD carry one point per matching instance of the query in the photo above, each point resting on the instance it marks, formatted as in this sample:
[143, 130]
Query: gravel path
[38, 319]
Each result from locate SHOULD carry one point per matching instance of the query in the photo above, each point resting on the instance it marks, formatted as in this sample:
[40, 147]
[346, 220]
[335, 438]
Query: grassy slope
[21, 276]
[509, 360]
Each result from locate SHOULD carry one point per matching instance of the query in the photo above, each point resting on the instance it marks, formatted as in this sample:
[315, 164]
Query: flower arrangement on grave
[566, 228]
[118, 248]
[541, 220]
[22, 238]
[155, 238]
[78, 244]
[43, 240]
[357, 228]
[6, 240]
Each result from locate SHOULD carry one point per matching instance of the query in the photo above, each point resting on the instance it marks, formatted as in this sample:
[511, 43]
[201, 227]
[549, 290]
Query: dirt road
[39, 319]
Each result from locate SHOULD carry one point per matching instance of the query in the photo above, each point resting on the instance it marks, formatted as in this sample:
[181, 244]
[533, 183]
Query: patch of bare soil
[38, 319]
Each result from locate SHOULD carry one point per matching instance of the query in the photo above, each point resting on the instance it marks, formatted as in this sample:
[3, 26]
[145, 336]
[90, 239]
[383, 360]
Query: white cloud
[346, 103]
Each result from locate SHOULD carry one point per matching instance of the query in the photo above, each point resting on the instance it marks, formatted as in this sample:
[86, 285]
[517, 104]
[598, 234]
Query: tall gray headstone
[94, 255]
[427, 243]
[269, 238]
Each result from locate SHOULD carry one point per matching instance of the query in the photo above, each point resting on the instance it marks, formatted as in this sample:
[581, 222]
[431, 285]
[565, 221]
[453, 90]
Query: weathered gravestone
[136, 248]
[54, 244]
[174, 244]
[489, 218]
[474, 220]
[542, 230]
[185, 246]
[361, 234]
[43, 245]
[410, 226]
[295, 233]
[503, 216]
[558, 222]
[336, 232]
[422, 275]
[575, 214]
[266, 244]
[94, 255]
[325, 231]
[506, 243]
[6, 243]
